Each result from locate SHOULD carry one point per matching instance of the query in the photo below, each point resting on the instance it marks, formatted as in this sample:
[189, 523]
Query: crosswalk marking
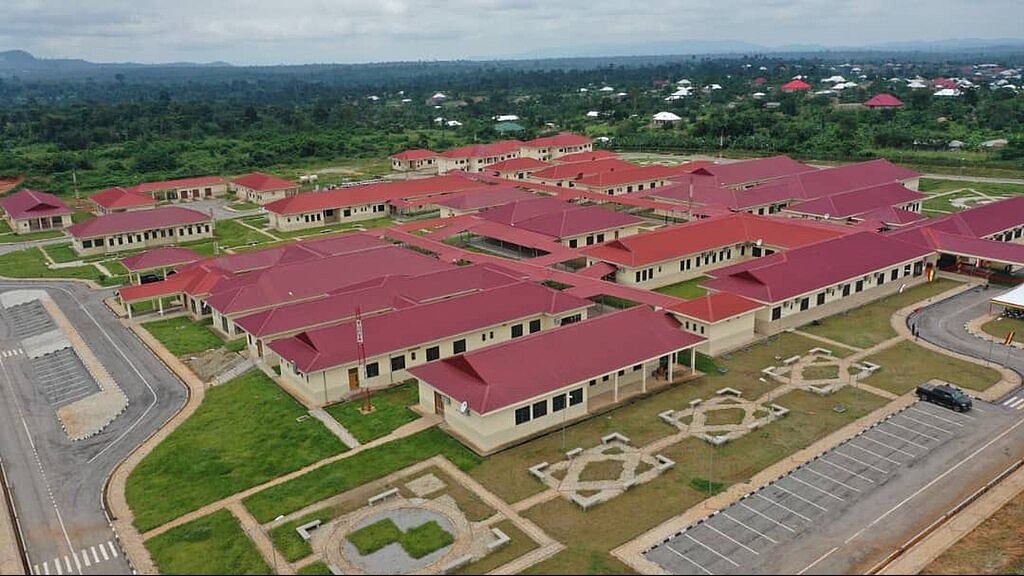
[113, 549]
[10, 353]
[67, 563]
[1015, 402]
[62, 565]
[85, 556]
[95, 556]
[104, 552]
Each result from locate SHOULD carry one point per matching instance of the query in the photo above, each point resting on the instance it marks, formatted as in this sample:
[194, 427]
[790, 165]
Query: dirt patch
[207, 365]
[8, 184]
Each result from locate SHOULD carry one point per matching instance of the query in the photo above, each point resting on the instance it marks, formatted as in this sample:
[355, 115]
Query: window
[86, 243]
[398, 363]
[558, 403]
[593, 382]
[600, 237]
[776, 313]
[637, 276]
[571, 319]
[540, 408]
[574, 243]
[534, 326]
[895, 274]
[605, 377]
[575, 396]
[522, 415]
[372, 370]
[459, 346]
[637, 367]
[517, 330]
[433, 353]
[99, 242]
[622, 372]
[821, 298]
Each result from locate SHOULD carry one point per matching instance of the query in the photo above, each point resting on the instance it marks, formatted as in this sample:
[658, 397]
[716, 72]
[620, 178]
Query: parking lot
[28, 319]
[744, 537]
[62, 377]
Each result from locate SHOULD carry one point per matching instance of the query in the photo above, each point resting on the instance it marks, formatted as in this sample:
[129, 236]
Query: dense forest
[113, 127]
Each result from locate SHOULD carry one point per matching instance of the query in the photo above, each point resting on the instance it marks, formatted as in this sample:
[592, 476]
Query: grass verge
[391, 410]
[687, 290]
[214, 544]
[183, 336]
[906, 365]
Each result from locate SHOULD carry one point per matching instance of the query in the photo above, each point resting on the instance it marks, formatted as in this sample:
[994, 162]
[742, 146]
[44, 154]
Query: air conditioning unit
[464, 407]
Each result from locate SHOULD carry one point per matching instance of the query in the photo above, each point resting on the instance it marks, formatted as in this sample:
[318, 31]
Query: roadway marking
[95, 556]
[830, 479]
[847, 456]
[936, 416]
[799, 497]
[812, 486]
[820, 558]
[759, 533]
[687, 558]
[712, 550]
[729, 538]
[847, 470]
[793, 512]
[113, 549]
[912, 431]
[875, 454]
[939, 428]
[103, 551]
[11, 353]
[85, 556]
[768, 518]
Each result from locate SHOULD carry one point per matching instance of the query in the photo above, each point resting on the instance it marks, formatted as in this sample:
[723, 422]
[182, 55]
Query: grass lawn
[357, 470]
[520, 544]
[5, 228]
[994, 547]
[314, 569]
[868, 325]
[115, 267]
[933, 185]
[506, 474]
[723, 417]
[906, 365]
[242, 206]
[820, 372]
[391, 411]
[231, 234]
[236, 345]
[244, 433]
[214, 544]
[688, 289]
[11, 238]
[61, 253]
[1002, 326]
[331, 228]
[601, 470]
[183, 336]
[371, 538]
[589, 535]
[30, 263]
[425, 539]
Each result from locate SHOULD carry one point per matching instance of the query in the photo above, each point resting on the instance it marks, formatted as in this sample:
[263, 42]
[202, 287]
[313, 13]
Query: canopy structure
[1012, 299]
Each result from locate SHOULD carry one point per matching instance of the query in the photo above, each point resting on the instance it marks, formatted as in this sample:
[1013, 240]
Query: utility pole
[367, 406]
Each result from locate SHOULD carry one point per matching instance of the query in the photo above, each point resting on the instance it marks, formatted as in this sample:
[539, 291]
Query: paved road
[847, 510]
[975, 179]
[57, 485]
[942, 324]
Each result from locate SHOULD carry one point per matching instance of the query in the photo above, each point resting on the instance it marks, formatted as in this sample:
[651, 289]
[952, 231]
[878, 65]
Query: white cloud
[299, 31]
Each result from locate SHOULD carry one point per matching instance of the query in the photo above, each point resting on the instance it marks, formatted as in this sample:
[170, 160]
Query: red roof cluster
[484, 150]
[753, 171]
[562, 139]
[138, 221]
[164, 257]
[715, 307]
[27, 203]
[261, 182]
[577, 170]
[586, 156]
[857, 202]
[497, 377]
[371, 193]
[558, 219]
[479, 198]
[513, 164]
[120, 198]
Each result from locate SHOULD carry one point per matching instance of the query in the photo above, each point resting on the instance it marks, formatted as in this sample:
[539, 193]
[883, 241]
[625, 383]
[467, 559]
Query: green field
[30, 263]
[391, 410]
[687, 290]
[61, 252]
[11, 238]
[182, 335]
[245, 432]
[1002, 326]
[214, 544]
[231, 234]
[906, 365]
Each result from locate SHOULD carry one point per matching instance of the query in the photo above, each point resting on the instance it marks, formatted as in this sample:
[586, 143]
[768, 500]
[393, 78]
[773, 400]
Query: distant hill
[20, 61]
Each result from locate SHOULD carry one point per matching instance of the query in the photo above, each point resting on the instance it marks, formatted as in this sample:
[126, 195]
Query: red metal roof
[497, 377]
[560, 139]
[147, 187]
[889, 216]
[716, 307]
[982, 221]
[324, 348]
[1007, 252]
[857, 202]
[514, 164]
[161, 257]
[415, 154]
[585, 156]
[750, 171]
[794, 85]
[883, 100]
[712, 233]
[634, 175]
[577, 170]
[360, 195]
[828, 181]
[479, 198]
[27, 203]
[559, 219]
[137, 221]
[378, 295]
[597, 270]
[784, 275]
[117, 197]
[261, 182]
[484, 150]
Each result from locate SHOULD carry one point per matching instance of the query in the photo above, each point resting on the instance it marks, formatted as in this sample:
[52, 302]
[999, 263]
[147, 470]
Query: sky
[263, 32]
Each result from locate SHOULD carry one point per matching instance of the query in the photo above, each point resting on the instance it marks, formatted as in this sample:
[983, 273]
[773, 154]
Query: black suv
[945, 395]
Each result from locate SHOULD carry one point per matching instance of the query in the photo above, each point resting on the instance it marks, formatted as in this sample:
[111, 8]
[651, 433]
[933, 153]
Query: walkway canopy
[1012, 299]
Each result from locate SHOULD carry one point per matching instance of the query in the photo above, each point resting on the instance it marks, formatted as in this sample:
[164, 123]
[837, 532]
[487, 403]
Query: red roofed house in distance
[260, 188]
[32, 211]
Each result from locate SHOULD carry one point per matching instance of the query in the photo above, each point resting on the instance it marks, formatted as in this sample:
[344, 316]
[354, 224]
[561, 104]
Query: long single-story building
[184, 189]
[260, 188]
[570, 224]
[323, 365]
[825, 278]
[415, 159]
[726, 320]
[552, 147]
[32, 211]
[504, 394]
[119, 199]
[159, 262]
[476, 157]
[142, 229]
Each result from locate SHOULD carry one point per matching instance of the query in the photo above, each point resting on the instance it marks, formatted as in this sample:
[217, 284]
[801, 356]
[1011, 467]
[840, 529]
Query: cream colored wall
[337, 377]
[263, 197]
[317, 219]
[667, 272]
[216, 190]
[24, 225]
[835, 302]
[625, 188]
[178, 234]
[581, 240]
[722, 336]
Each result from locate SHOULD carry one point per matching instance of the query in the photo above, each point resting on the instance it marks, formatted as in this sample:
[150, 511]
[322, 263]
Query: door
[259, 348]
[438, 403]
[353, 378]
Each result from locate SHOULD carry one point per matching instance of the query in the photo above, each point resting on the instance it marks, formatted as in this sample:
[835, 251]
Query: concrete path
[15, 246]
[10, 552]
[261, 539]
[260, 230]
[335, 427]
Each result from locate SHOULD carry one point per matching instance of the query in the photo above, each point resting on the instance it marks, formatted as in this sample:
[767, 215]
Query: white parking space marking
[687, 558]
[936, 416]
[793, 512]
[912, 431]
[830, 479]
[861, 462]
[799, 497]
[847, 470]
[755, 531]
[768, 518]
[793, 476]
[875, 454]
[736, 542]
[939, 428]
[712, 550]
[880, 431]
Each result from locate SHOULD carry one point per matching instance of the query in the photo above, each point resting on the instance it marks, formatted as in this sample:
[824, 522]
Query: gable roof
[117, 198]
[261, 182]
[484, 150]
[137, 221]
[963, 245]
[415, 154]
[587, 156]
[883, 100]
[28, 203]
[323, 348]
[783, 275]
[857, 202]
[561, 139]
[521, 163]
[581, 169]
[370, 193]
[756, 170]
[147, 187]
[558, 219]
[715, 307]
[476, 199]
[166, 256]
[497, 377]
[794, 85]
[981, 221]
[633, 175]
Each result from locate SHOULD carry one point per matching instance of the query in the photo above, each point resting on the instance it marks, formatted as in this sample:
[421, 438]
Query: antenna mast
[361, 348]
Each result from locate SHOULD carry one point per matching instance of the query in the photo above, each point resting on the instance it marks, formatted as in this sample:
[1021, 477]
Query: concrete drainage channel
[74, 382]
[734, 540]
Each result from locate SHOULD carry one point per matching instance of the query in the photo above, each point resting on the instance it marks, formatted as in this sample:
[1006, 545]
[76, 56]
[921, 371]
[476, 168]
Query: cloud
[299, 31]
